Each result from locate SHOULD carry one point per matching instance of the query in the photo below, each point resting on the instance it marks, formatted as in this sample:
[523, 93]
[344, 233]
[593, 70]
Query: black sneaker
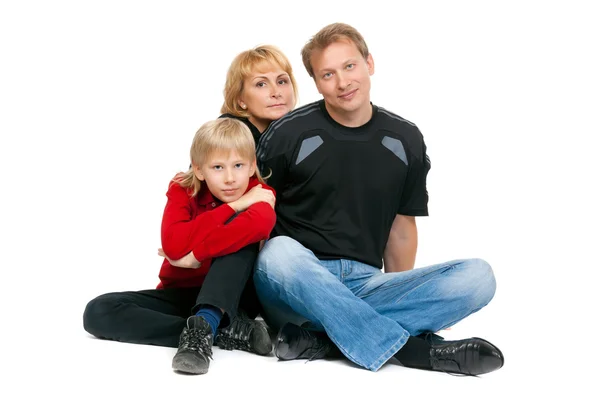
[474, 356]
[294, 342]
[195, 347]
[245, 334]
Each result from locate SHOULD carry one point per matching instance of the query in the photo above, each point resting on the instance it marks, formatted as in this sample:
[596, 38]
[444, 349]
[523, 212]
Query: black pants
[158, 316]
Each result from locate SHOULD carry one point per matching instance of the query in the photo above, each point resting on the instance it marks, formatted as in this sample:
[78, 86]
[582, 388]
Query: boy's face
[343, 77]
[226, 174]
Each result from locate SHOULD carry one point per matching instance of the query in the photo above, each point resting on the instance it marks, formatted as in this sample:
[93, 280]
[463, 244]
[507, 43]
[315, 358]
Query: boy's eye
[218, 167]
[239, 165]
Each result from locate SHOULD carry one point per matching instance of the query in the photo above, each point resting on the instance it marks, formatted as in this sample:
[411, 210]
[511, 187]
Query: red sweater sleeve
[250, 226]
[180, 233]
[206, 234]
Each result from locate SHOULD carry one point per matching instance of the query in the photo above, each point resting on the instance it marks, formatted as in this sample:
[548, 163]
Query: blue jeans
[368, 314]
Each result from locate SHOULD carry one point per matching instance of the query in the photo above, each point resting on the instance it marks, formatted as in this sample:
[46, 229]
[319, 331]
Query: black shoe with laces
[195, 347]
[473, 356]
[245, 334]
[294, 342]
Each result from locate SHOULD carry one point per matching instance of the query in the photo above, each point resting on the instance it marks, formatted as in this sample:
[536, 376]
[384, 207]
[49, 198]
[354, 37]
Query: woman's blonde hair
[242, 66]
[223, 134]
[330, 34]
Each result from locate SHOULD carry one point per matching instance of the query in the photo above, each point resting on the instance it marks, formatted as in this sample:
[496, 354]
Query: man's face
[343, 77]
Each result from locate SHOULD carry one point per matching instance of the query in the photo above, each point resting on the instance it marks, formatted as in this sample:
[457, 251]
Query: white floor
[146, 372]
[70, 362]
[51, 355]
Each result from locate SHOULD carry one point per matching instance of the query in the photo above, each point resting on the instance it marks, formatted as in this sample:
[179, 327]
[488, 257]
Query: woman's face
[267, 95]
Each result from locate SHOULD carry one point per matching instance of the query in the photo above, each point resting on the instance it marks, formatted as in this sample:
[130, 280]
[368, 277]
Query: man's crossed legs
[372, 316]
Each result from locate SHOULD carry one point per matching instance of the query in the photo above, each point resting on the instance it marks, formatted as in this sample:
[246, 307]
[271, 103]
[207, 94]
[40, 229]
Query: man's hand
[187, 261]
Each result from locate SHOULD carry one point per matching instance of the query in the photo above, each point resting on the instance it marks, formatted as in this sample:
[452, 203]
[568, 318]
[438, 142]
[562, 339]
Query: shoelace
[320, 347]
[321, 352]
[196, 340]
[446, 354]
[237, 335]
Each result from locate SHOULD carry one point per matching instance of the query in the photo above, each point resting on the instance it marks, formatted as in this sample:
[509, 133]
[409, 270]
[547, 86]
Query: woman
[260, 88]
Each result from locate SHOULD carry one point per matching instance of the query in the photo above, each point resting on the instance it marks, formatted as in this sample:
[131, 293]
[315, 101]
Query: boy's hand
[254, 195]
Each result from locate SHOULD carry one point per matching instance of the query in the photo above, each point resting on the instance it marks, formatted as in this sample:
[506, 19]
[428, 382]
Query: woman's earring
[243, 106]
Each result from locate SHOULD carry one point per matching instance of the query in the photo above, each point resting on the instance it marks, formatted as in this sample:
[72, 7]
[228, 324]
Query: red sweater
[198, 224]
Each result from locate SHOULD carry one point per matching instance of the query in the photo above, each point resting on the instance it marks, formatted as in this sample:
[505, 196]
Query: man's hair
[330, 34]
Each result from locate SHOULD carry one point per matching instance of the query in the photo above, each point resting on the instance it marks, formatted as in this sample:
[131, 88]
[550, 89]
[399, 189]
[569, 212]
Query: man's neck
[352, 119]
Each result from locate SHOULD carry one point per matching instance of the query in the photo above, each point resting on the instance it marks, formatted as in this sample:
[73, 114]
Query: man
[350, 179]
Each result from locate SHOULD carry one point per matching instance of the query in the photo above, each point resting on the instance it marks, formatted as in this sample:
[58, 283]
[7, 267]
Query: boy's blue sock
[212, 315]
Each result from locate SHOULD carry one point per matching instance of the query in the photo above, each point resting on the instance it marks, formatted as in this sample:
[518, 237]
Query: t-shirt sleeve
[415, 198]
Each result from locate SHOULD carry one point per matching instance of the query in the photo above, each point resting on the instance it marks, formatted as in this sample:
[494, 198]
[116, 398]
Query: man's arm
[401, 248]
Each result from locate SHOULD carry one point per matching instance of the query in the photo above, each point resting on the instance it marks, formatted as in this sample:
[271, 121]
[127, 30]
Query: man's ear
[370, 64]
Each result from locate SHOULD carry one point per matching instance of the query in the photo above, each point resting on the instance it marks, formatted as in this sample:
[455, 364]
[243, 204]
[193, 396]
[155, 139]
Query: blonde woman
[260, 88]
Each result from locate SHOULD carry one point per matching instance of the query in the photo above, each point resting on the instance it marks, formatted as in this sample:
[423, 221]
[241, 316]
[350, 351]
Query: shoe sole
[188, 368]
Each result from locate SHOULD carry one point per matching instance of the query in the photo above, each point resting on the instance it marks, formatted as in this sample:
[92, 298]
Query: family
[306, 217]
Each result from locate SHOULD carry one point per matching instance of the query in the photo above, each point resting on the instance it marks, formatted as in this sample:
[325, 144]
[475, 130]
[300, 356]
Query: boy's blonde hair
[223, 134]
[242, 66]
[330, 34]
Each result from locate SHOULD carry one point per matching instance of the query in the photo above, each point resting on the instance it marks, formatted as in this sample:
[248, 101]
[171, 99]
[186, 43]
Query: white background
[99, 102]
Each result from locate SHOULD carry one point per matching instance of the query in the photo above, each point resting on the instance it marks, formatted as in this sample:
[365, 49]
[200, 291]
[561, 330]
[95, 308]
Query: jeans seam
[345, 270]
[408, 281]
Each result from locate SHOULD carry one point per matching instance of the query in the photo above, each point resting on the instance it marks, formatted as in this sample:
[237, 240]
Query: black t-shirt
[339, 188]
